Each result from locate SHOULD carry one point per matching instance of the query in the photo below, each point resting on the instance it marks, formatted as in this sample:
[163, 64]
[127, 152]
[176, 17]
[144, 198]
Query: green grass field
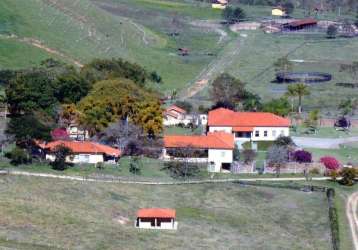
[42, 214]
[325, 132]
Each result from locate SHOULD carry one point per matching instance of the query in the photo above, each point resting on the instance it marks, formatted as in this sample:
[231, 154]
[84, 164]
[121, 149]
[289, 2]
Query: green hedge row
[333, 218]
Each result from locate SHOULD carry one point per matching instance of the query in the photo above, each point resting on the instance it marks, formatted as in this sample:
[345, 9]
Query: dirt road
[352, 215]
[327, 143]
[217, 66]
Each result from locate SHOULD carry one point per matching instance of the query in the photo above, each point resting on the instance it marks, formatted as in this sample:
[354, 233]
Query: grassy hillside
[83, 30]
[42, 214]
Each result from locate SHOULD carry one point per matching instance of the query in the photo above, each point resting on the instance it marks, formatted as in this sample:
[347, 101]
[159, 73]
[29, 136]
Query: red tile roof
[302, 22]
[228, 118]
[215, 140]
[156, 213]
[176, 109]
[83, 147]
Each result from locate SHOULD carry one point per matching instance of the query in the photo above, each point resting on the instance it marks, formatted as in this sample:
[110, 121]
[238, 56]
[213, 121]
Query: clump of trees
[233, 14]
[229, 92]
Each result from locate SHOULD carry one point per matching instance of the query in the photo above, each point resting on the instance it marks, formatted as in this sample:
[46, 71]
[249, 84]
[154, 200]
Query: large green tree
[111, 100]
[227, 89]
[300, 90]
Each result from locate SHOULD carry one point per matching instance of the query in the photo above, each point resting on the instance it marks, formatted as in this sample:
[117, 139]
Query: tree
[277, 157]
[289, 7]
[302, 156]
[331, 31]
[18, 156]
[312, 120]
[330, 163]
[284, 141]
[227, 89]
[236, 153]
[120, 99]
[249, 155]
[71, 87]
[348, 106]
[184, 105]
[348, 176]
[233, 15]
[134, 165]
[155, 77]
[342, 123]
[25, 129]
[299, 90]
[283, 64]
[61, 153]
[104, 69]
[279, 106]
[252, 102]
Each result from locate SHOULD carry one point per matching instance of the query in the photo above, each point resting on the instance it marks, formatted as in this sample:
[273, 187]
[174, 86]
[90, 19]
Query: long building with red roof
[82, 151]
[248, 126]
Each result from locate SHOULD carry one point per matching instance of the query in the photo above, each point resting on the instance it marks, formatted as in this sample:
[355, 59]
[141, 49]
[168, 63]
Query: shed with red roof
[156, 218]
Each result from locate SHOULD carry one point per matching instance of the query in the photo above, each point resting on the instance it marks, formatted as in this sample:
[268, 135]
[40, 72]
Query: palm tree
[299, 90]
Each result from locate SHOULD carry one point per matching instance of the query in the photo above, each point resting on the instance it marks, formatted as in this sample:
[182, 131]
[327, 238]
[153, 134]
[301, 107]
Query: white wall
[80, 158]
[219, 156]
[163, 225]
[225, 129]
[272, 133]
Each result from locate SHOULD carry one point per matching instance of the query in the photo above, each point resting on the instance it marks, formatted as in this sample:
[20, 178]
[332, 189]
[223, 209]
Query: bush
[302, 156]
[178, 169]
[249, 155]
[18, 156]
[134, 165]
[348, 176]
[330, 163]
[314, 171]
[284, 141]
[331, 31]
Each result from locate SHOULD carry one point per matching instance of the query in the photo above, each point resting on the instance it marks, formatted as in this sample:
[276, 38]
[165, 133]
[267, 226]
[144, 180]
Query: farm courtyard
[75, 215]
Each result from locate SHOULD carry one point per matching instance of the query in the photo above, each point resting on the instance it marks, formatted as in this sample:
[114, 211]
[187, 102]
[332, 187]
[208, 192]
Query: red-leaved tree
[302, 156]
[330, 163]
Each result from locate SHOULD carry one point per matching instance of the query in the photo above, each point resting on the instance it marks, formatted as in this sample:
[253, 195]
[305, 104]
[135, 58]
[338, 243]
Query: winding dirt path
[352, 215]
[216, 67]
[40, 45]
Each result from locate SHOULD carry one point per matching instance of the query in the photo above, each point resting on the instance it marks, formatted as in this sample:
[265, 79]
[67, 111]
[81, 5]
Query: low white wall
[225, 129]
[163, 225]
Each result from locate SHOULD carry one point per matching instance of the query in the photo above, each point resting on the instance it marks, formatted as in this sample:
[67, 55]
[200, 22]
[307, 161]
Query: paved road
[327, 143]
[352, 215]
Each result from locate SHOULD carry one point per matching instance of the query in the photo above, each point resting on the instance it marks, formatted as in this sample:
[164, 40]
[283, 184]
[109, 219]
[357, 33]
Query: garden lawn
[325, 132]
[38, 213]
[344, 154]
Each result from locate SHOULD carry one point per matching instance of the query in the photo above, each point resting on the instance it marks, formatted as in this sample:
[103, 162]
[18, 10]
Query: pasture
[39, 213]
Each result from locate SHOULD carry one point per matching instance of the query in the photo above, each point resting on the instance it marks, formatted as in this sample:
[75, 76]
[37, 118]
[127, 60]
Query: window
[282, 132]
[84, 158]
[274, 133]
[223, 154]
[265, 133]
[257, 133]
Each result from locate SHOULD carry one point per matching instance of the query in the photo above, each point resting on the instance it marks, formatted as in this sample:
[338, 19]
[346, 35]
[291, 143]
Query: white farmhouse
[215, 149]
[248, 126]
[156, 218]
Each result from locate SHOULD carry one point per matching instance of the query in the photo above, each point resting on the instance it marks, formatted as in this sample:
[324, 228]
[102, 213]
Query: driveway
[325, 143]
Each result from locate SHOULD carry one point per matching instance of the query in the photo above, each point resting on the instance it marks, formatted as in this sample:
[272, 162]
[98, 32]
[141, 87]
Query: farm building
[156, 218]
[248, 126]
[216, 149]
[301, 24]
[174, 115]
[82, 151]
[219, 4]
[278, 11]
